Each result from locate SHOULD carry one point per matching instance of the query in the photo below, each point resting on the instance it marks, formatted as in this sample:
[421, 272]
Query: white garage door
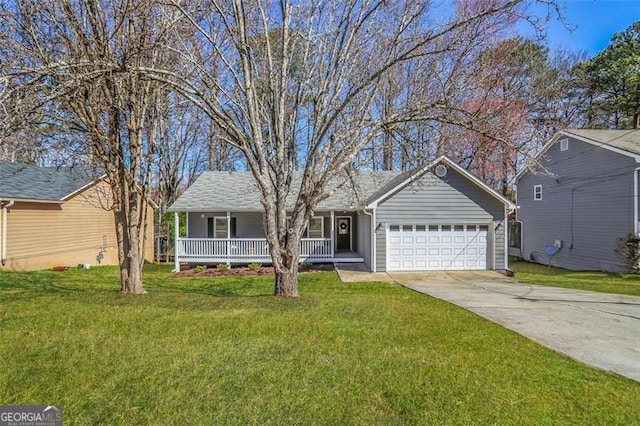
[436, 247]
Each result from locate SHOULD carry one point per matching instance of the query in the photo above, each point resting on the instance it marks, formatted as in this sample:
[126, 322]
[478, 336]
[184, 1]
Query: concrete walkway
[358, 273]
[599, 329]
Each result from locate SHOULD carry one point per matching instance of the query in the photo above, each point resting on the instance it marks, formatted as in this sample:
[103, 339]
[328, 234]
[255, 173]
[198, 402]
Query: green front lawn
[224, 351]
[607, 282]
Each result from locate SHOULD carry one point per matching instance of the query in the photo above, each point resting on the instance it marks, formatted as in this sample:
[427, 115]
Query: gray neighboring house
[581, 199]
[437, 217]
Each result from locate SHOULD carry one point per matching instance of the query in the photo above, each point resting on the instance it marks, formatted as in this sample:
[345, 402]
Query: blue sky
[595, 22]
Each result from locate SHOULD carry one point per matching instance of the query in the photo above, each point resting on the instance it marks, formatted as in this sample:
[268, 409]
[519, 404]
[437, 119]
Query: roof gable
[623, 142]
[406, 178]
[47, 184]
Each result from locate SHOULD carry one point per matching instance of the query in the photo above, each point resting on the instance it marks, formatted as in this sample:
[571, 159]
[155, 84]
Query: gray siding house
[580, 199]
[437, 217]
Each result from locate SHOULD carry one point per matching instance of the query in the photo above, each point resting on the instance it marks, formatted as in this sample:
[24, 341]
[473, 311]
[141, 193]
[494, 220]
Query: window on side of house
[537, 192]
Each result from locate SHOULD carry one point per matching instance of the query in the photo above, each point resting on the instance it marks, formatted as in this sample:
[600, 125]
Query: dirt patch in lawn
[213, 271]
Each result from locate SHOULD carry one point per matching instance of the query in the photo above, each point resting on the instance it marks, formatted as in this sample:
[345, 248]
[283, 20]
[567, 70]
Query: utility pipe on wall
[3, 243]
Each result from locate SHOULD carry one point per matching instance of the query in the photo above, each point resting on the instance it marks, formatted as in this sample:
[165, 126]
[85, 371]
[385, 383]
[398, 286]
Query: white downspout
[3, 252]
[506, 237]
[372, 215]
[176, 235]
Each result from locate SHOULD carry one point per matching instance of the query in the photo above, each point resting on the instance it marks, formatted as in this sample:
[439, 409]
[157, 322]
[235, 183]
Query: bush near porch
[224, 351]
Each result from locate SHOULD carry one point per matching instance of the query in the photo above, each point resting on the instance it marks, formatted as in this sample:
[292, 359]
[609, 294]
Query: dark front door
[343, 233]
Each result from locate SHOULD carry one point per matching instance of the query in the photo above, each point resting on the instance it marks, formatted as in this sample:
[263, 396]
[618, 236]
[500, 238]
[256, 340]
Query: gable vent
[564, 144]
[441, 170]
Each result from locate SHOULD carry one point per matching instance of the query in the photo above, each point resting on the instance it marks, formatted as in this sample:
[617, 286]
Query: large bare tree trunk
[129, 257]
[286, 271]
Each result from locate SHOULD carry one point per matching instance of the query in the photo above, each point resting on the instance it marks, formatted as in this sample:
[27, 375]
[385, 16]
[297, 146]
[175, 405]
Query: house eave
[30, 200]
[173, 209]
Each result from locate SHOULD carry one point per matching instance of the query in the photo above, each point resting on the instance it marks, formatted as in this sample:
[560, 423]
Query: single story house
[57, 216]
[580, 199]
[437, 217]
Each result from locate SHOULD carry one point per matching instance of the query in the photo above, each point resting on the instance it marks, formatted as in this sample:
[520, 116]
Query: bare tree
[301, 97]
[79, 59]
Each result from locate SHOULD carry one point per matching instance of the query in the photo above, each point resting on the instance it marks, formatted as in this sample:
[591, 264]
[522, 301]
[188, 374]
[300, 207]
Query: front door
[343, 233]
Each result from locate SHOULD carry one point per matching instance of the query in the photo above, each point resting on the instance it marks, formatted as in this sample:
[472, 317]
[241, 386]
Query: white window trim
[215, 227]
[321, 218]
[564, 144]
[537, 192]
[306, 234]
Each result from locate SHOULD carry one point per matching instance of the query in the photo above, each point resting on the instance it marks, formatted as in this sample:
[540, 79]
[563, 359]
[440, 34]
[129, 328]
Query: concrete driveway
[599, 329]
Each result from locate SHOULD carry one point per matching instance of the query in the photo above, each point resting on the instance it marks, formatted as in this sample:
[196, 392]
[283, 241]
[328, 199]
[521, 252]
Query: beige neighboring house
[57, 216]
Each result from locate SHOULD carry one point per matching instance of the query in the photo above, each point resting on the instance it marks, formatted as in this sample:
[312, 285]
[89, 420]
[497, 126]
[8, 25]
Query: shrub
[199, 268]
[222, 267]
[255, 266]
[629, 249]
[305, 266]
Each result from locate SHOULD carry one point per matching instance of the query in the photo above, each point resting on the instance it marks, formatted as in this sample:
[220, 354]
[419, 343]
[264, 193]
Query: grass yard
[607, 282]
[224, 351]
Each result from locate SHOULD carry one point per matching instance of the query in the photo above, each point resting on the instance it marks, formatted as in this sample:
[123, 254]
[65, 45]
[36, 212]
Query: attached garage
[439, 217]
[424, 247]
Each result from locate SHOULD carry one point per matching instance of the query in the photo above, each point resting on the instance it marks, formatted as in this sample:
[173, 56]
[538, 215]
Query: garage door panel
[437, 247]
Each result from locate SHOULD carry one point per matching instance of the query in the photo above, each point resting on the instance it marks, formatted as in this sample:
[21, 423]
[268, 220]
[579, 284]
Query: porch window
[220, 227]
[316, 227]
[217, 227]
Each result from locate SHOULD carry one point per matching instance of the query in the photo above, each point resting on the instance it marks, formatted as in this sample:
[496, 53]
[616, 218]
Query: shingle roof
[627, 140]
[28, 182]
[236, 191]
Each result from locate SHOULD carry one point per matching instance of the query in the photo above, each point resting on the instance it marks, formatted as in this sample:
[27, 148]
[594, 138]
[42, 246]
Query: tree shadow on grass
[216, 287]
[100, 289]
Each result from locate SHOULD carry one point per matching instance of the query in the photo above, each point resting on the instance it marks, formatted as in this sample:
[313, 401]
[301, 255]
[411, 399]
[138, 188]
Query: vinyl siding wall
[452, 199]
[587, 203]
[43, 235]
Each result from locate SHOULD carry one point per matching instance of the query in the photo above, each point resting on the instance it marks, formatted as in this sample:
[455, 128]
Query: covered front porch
[238, 238]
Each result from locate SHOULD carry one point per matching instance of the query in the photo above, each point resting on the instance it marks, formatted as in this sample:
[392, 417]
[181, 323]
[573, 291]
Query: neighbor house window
[537, 192]
[564, 144]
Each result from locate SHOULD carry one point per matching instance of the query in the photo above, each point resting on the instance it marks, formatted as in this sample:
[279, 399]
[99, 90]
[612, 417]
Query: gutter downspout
[372, 215]
[3, 243]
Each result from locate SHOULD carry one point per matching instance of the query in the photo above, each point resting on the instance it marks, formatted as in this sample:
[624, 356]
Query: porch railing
[245, 249]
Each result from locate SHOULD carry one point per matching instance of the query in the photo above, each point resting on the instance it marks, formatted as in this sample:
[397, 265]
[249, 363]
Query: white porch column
[333, 231]
[176, 235]
[229, 238]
